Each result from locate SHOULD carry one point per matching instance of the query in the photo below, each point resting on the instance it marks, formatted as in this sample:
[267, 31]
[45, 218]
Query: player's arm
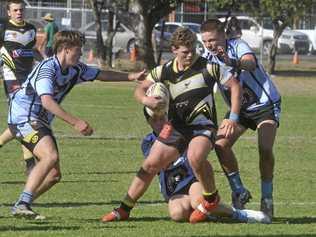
[229, 126]
[246, 60]
[151, 102]
[227, 78]
[80, 125]
[120, 76]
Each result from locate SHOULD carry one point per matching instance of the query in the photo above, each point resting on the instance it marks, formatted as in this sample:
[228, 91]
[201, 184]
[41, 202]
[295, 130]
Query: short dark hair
[213, 25]
[183, 37]
[9, 2]
[67, 39]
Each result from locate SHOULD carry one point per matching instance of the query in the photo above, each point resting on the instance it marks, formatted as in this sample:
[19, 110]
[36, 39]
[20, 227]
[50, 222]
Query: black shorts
[29, 134]
[180, 137]
[253, 119]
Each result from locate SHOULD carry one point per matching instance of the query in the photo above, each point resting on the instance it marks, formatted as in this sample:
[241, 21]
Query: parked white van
[256, 35]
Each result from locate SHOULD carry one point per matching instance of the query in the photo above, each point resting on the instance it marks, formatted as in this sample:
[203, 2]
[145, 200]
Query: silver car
[124, 38]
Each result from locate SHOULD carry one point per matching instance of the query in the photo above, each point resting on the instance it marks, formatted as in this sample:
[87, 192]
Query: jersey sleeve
[155, 74]
[43, 82]
[87, 73]
[242, 48]
[221, 73]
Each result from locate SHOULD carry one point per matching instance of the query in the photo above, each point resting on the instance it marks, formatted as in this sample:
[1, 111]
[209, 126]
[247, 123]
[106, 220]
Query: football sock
[235, 182]
[127, 204]
[210, 197]
[239, 215]
[266, 189]
[25, 198]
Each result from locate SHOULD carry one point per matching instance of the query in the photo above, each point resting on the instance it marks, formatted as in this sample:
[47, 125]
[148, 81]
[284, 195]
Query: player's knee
[54, 177]
[221, 146]
[53, 158]
[151, 168]
[196, 162]
[178, 214]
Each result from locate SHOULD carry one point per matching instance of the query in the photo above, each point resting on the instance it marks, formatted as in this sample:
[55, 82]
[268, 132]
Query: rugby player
[192, 120]
[17, 41]
[260, 110]
[33, 107]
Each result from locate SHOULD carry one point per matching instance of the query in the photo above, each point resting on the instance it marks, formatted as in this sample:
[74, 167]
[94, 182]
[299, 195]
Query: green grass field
[97, 171]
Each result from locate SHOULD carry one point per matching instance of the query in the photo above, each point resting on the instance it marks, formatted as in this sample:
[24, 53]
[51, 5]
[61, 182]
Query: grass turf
[97, 171]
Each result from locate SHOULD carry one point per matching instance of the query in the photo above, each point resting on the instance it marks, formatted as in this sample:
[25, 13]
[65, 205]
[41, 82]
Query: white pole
[181, 13]
[261, 46]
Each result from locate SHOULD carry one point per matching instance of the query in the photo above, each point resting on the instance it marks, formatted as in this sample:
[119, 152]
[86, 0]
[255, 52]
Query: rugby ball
[158, 89]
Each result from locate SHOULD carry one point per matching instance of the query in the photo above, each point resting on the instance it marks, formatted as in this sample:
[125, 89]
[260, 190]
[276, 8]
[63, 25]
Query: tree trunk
[143, 28]
[101, 49]
[109, 40]
[277, 32]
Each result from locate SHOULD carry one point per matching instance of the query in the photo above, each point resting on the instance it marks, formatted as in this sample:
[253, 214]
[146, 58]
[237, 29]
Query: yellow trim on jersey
[175, 64]
[17, 24]
[155, 74]
[6, 58]
[222, 73]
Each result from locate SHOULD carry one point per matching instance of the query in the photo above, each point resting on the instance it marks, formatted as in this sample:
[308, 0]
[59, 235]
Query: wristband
[233, 116]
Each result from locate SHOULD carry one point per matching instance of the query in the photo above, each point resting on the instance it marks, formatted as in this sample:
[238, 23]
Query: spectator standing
[50, 30]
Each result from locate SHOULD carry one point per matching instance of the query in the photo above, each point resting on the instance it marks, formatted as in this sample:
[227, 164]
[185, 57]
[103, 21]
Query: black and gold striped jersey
[17, 42]
[191, 90]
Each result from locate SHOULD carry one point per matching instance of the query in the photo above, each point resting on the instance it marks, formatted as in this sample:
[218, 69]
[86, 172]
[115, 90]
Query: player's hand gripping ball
[158, 89]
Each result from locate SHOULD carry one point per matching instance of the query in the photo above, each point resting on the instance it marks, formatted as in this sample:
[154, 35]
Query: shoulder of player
[29, 26]
[155, 73]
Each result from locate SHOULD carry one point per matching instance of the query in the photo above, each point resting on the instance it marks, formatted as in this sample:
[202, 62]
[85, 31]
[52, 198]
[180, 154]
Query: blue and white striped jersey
[258, 89]
[47, 78]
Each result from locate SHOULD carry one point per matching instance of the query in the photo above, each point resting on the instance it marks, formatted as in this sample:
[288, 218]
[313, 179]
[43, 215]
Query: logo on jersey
[34, 139]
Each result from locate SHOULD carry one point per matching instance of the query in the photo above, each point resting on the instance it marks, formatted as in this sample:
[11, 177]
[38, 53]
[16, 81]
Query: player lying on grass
[182, 191]
[190, 81]
[34, 106]
[260, 110]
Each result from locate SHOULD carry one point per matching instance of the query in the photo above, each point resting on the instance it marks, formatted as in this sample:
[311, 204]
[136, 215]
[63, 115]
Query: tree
[144, 14]
[97, 7]
[104, 49]
[282, 13]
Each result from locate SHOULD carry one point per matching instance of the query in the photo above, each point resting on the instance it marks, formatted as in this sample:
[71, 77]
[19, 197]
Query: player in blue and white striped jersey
[33, 107]
[260, 110]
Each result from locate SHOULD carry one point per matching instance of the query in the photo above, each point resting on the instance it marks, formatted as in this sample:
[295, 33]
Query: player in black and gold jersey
[192, 122]
[17, 41]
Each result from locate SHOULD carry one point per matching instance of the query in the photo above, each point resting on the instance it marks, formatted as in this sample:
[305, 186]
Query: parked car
[170, 27]
[256, 35]
[124, 38]
[311, 33]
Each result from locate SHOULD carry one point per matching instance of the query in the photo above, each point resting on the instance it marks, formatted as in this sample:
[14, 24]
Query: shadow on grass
[83, 204]
[294, 220]
[295, 73]
[38, 228]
